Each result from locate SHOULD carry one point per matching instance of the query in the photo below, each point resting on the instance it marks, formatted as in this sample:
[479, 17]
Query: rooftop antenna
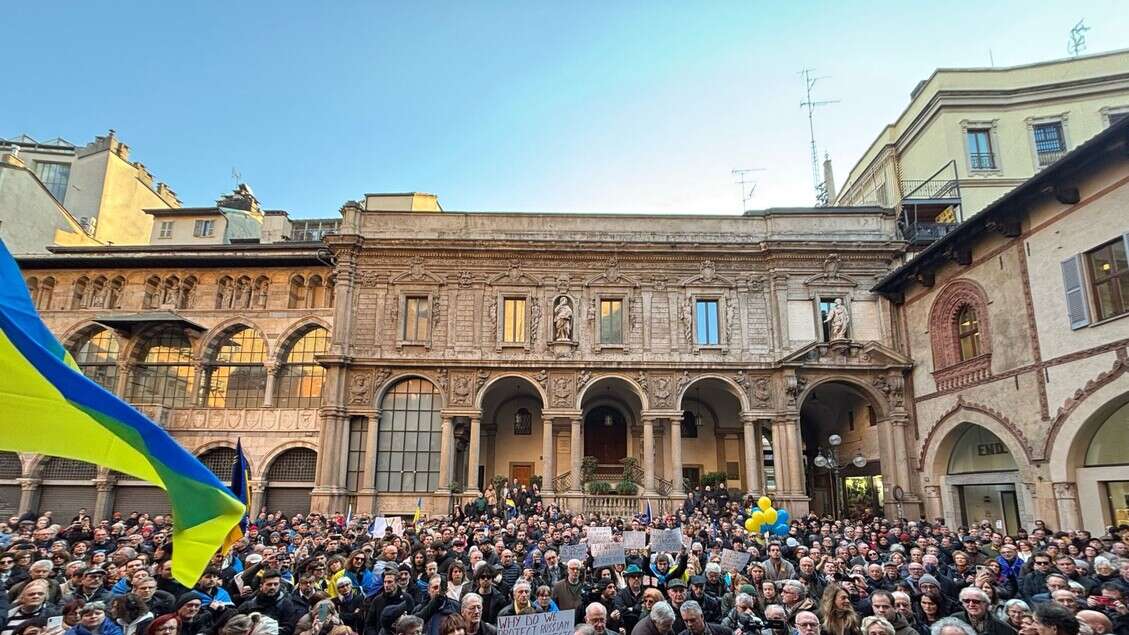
[236, 176]
[1078, 38]
[744, 181]
[811, 105]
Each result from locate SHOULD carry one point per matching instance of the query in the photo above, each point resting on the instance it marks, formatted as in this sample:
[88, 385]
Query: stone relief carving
[659, 282]
[891, 387]
[562, 392]
[492, 312]
[708, 271]
[562, 319]
[515, 272]
[643, 385]
[360, 388]
[731, 321]
[762, 390]
[564, 281]
[683, 382]
[542, 378]
[1065, 490]
[266, 419]
[688, 320]
[661, 390]
[839, 319]
[441, 378]
[465, 279]
[611, 271]
[461, 390]
[742, 379]
[480, 379]
[635, 312]
[381, 376]
[534, 319]
[368, 278]
[831, 265]
[583, 377]
[592, 310]
[794, 388]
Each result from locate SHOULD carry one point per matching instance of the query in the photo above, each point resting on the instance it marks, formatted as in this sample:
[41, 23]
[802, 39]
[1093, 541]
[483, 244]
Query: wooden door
[608, 443]
[523, 472]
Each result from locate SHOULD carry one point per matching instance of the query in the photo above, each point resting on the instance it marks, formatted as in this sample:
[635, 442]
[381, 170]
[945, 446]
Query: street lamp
[828, 459]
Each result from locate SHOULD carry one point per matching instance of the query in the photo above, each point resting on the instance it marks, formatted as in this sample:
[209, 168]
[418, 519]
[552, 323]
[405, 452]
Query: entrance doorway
[521, 472]
[692, 476]
[996, 503]
[605, 435]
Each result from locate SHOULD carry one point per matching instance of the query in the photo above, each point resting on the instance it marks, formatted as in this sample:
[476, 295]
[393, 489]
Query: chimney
[828, 179]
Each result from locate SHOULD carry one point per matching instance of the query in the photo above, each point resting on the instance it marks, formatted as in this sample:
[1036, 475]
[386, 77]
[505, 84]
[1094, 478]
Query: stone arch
[537, 387]
[395, 378]
[210, 341]
[1081, 416]
[131, 346]
[739, 393]
[951, 299]
[269, 458]
[938, 444]
[293, 333]
[868, 392]
[207, 447]
[638, 390]
[86, 328]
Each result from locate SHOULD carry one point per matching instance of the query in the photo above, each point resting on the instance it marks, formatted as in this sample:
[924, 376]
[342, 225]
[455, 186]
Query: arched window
[97, 357]
[46, 290]
[262, 292]
[163, 373]
[60, 469]
[291, 478]
[225, 292]
[407, 458]
[330, 283]
[300, 379]
[152, 297]
[219, 461]
[114, 293]
[968, 332]
[1108, 447]
[315, 293]
[297, 293]
[237, 376]
[78, 296]
[33, 288]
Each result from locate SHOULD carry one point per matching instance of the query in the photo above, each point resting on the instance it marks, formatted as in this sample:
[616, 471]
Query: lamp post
[828, 459]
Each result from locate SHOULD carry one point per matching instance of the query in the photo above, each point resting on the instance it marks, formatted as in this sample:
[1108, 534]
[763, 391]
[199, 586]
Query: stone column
[796, 458]
[343, 291]
[548, 458]
[1069, 514]
[446, 454]
[366, 489]
[121, 382]
[104, 500]
[754, 480]
[780, 456]
[934, 508]
[648, 456]
[257, 497]
[329, 491]
[473, 450]
[676, 457]
[576, 454]
[29, 494]
[272, 375]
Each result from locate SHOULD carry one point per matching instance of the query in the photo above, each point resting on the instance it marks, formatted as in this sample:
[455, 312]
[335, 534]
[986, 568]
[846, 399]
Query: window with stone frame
[513, 320]
[958, 327]
[611, 321]
[968, 333]
[417, 318]
[1109, 279]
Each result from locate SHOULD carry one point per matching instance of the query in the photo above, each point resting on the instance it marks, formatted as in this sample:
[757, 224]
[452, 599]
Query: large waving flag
[240, 481]
[47, 406]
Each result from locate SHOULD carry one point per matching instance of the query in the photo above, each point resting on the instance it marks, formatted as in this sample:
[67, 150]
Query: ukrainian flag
[47, 406]
[240, 481]
[418, 514]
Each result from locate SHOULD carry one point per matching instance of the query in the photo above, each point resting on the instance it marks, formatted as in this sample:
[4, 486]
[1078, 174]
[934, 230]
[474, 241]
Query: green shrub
[599, 487]
[626, 488]
[713, 479]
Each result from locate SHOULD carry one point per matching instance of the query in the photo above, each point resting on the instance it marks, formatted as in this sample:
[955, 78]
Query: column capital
[29, 483]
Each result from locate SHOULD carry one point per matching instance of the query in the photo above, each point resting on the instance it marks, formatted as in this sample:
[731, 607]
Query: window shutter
[1077, 311]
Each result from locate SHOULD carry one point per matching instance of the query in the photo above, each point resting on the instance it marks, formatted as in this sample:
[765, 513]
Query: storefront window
[1118, 493]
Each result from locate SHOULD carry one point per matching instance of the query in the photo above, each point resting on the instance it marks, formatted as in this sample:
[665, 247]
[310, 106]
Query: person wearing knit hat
[166, 624]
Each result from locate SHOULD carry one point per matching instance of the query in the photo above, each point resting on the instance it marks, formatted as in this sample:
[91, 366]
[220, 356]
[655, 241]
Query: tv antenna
[1078, 38]
[744, 181]
[236, 176]
[811, 105]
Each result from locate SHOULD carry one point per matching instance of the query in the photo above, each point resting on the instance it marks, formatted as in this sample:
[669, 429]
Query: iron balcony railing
[927, 232]
[982, 160]
[1047, 158]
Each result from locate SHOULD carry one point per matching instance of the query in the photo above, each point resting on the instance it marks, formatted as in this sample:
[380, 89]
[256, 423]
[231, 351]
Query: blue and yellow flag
[419, 511]
[48, 407]
[240, 482]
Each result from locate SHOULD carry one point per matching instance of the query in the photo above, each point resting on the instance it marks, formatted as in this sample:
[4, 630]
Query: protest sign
[733, 560]
[598, 535]
[666, 540]
[559, 623]
[607, 554]
[634, 540]
[574, 552]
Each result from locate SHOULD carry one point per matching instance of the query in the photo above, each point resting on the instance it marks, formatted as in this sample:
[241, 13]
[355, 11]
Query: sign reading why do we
[559, 623]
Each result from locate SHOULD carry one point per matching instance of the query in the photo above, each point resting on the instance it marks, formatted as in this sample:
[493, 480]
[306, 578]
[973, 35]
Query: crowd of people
[463, 574]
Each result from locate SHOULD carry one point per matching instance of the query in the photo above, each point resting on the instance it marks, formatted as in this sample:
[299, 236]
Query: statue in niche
[562, 320]
[838, 318]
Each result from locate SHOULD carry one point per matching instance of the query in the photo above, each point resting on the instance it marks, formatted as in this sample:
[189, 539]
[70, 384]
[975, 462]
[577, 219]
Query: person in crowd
[839, 616]
[975, 613]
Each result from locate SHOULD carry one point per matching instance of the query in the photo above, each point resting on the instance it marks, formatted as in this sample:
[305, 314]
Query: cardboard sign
[607, 554]
[666, 540]
[634, 540]
[574, 552]
[559, 623]
[599, 535]
[734, 560]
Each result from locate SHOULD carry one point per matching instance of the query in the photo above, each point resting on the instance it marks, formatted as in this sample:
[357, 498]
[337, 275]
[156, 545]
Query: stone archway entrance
[605, 435]
[839, 430]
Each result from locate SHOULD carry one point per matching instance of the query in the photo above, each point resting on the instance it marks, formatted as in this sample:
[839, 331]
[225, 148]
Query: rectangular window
[1115, 117]
[611, 321]
[55, 177]
[705, 322]
[1109, 279]
[980, 155]
[417, 318]
[204, 229]
[1050, 142]
[513, 322]
[1117, 492]
[165, 229]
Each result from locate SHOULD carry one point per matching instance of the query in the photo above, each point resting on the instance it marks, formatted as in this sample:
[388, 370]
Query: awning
[130, 322]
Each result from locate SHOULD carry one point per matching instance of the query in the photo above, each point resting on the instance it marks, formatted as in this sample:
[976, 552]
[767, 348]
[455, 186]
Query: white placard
[734, 560]
[599, 535]
[559, 623]
[634, 540]
[607, 554]
[666, 540]
[574, 552]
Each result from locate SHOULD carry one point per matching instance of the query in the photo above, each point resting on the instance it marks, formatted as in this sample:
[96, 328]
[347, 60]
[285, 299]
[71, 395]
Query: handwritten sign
[666, 540]
[634, 540]
[607, 554]
[574, 552]
[734, 560]
[599, 535]
[559, 623]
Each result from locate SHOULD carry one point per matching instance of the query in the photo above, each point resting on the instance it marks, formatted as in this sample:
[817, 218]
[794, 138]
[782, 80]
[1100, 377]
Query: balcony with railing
[931, 207]
[982, 160]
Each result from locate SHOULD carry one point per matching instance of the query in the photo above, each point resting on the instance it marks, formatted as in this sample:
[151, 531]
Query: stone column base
[329, 500]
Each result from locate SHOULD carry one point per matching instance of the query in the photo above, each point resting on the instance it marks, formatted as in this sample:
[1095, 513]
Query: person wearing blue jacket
[92, 620]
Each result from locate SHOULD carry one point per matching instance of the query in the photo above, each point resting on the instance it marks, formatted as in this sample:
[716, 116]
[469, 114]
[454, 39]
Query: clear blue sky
[567, 106]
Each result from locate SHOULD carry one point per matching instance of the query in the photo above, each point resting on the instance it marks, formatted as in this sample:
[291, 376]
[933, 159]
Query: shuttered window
[1077, 311]
[1109, 279]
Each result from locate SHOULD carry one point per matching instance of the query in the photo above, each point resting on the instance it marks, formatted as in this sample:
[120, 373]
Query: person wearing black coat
[629, 600]
[977, 615]
[389, 595]
[270, 601]
[350, 604]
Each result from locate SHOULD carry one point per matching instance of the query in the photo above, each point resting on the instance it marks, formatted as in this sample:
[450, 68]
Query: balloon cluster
[768, 520]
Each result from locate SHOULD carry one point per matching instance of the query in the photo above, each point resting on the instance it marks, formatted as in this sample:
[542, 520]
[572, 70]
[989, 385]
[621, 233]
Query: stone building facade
[1016, 324]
